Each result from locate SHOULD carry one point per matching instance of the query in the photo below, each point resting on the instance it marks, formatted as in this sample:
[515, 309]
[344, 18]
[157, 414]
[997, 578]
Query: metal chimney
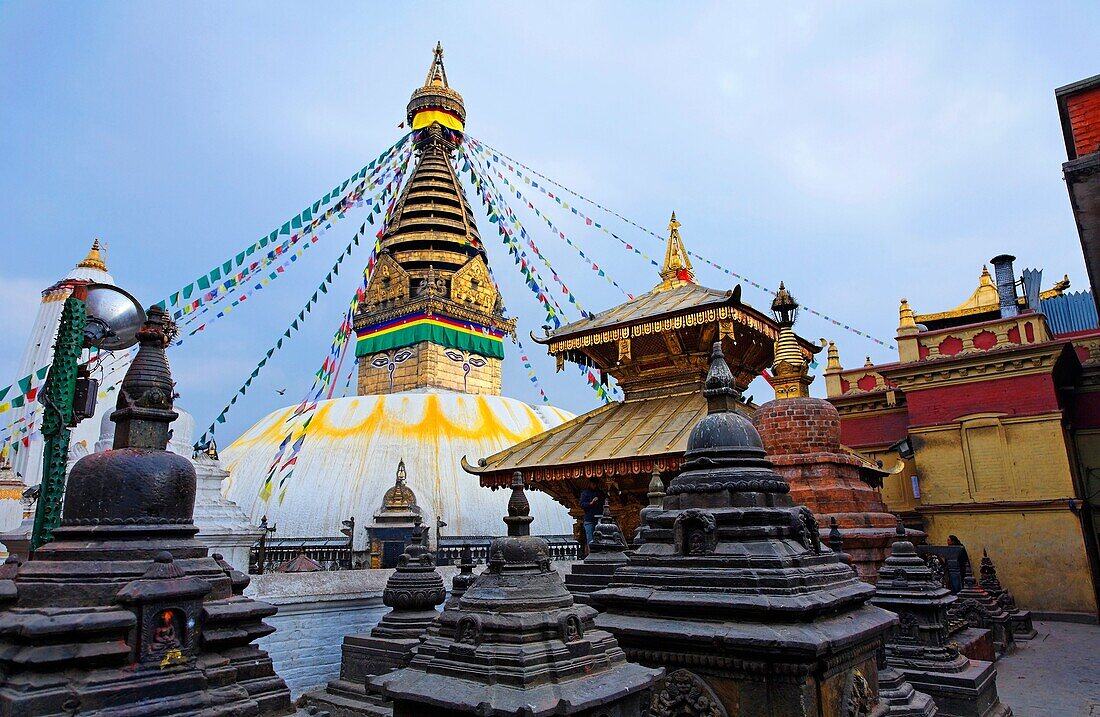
[1006, 284]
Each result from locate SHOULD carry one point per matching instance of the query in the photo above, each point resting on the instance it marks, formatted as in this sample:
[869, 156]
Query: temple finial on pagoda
[94, 260]
[437, 74]
[676, 270]
[790, 369]
[907, 323]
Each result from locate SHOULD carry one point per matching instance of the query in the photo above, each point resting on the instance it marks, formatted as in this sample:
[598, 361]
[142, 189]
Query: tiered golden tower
[432, 316]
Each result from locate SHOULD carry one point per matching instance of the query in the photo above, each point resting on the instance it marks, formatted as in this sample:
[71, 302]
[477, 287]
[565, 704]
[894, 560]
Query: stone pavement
[1054, 675]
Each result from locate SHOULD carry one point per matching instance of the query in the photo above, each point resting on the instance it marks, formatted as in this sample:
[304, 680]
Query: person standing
[592, 500]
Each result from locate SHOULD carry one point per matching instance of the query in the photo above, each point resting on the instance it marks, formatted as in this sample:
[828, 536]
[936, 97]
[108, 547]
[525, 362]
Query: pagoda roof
[655, 304]
[613, 439]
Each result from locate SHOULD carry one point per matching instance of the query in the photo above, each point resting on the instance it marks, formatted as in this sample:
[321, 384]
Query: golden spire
[437, 75]
[677, 267]
[907, 324]
[790, 369]
[834, 359]
[94, 260]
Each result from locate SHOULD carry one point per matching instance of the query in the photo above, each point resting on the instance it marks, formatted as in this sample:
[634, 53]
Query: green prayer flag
[221, 418]
[307, 214]
[324, 288]
[227, 268]
[204, 282]
[296, 222]
[294, 324]
[240, 258]
[285, 228]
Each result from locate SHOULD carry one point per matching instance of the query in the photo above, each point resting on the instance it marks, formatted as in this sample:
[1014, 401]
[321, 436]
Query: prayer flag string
[495, 155]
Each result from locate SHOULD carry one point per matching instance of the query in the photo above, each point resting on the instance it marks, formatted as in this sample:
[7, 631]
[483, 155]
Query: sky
[861, 152]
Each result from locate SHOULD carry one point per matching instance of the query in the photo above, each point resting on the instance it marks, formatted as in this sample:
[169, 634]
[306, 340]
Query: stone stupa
[732, 592]
[920, 647]
[607, 553]
[124, 613]
[517, 644]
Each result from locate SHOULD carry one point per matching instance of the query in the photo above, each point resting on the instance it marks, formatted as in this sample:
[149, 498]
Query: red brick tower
[802, 437]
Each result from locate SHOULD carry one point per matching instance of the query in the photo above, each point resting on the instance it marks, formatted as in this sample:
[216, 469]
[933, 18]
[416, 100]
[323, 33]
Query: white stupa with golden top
[430, 342]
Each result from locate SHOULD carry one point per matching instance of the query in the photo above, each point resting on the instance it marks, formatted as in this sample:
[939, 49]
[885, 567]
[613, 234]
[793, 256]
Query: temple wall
[1040, 553]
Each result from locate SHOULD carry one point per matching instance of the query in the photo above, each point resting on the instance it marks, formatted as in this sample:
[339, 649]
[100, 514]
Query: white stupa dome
[183, 431]
[349, 459]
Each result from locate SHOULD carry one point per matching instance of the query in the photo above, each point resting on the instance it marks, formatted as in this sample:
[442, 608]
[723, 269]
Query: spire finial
[144, 407]
[790, 369]
[437, 74]
[907, 323]
[833, 363]
[676, 271]
[94, 260]
[519, 509]
[718, 388]
[656, 492]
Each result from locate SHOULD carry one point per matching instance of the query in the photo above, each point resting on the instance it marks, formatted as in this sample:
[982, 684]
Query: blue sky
[860, 152]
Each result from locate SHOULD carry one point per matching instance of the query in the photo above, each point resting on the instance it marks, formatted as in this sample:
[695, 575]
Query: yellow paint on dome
[351, 452]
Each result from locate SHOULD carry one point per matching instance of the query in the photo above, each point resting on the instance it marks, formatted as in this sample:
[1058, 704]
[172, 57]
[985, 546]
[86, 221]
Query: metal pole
[57, 400]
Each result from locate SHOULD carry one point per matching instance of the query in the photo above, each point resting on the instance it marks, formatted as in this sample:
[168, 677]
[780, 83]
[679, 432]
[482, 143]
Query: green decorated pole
[57, 416]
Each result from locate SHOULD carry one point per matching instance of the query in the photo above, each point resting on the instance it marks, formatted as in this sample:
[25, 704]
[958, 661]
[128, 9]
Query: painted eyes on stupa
[453, 355]
[402, 356]
[380, 361]
[477, 361]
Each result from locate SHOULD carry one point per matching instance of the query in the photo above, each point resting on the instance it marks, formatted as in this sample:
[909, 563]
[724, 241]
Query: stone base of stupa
[588, 577]
[969, 693]
[363, 656]
[899, 697]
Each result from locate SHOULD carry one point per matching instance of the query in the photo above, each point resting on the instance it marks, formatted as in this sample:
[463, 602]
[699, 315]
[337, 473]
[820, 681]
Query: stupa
[732, 592]
[920, 647]
[413, 592]
[1019, 620]
[607, 553]
[802, 437]
[27, 444]
[124, 613]
[393, 525]
[516, 644]
[977, 608]
[430, 343]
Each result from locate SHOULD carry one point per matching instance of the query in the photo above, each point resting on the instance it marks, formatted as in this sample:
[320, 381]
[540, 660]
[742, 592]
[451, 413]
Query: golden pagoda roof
[983, 300]
[651, 306]
[94, 260]
[604, 441]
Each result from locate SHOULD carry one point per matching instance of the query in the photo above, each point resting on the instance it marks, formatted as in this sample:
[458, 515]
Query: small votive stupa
[517, 644]
[920, 647]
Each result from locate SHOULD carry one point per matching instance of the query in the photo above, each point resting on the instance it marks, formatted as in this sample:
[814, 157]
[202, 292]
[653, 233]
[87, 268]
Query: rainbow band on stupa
[425, 117]
[445, 331]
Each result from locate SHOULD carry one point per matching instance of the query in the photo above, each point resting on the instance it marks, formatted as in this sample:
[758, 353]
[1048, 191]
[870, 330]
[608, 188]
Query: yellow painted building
[994, 407]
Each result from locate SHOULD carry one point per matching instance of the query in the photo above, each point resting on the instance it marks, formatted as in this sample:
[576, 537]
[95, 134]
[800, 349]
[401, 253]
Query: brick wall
[1084, 119]
[798, 425]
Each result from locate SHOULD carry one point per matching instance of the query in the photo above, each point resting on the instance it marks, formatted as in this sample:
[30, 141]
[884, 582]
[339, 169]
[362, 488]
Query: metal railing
[267, 555]
[448, 552]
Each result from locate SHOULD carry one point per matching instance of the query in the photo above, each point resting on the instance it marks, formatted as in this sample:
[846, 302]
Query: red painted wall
[1014, 396]
[871, 431]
